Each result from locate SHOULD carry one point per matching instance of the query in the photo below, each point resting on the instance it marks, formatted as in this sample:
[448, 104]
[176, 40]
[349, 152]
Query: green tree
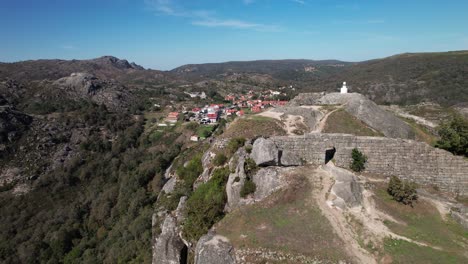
[454, 136]
[359, 160]
[402, 191]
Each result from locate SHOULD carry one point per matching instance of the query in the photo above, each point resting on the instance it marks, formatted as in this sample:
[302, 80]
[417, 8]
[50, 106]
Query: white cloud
[205, 18]
[299, 1]
[360, 22]
[237, 24]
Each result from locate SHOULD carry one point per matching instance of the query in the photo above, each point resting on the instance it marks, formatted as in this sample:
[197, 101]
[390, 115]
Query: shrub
[250, 167]
[220, 159]
[248, 187]
[248, 149]
[402, 191]
[206, 205]
[359, 160]
[454, 136]
[190, 172]
[234, 144]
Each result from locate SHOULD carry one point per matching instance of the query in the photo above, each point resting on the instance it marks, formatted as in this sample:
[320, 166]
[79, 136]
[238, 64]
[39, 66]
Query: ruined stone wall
[407, 159]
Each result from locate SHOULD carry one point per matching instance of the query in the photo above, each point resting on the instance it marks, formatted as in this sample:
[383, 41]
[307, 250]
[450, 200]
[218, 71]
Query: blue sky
[163, 34]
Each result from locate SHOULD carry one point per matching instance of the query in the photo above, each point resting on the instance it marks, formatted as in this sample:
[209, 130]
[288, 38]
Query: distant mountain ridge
[103, 67]
[401, 79]
[257, 66]
[406, 78]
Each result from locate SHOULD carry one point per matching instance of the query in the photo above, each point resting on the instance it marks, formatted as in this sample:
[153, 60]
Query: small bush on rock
[248, 149]
[402, 191]
[359, 160]
[234, 144]
[250, 167]
[220, 159]
[248, 188]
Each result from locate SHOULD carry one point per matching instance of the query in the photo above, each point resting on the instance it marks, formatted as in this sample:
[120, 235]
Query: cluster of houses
[238, 106]
[252, 101]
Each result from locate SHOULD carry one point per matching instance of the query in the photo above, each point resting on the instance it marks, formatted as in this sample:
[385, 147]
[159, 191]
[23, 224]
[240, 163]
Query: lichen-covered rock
[460, 214]
[236, 181]
[347, 188]
[267, 181]
[206, 163]
[168, 246]
[264, 152]
[289, 158]
[214, 249]
[87, 86]
[169, 185]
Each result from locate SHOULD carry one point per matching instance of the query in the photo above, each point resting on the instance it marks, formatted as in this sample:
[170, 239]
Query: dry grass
[422, 223]
[422, 134]
[254, 126]
[343, 122]
[285, 222]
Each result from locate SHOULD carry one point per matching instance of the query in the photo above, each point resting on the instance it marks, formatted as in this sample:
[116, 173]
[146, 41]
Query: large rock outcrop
[347, 188]
[214, 249]
[268, 180]
[362, 108]
[12, 124]
[87, 86]
[236, 180]
[264, 152]
[168, 246]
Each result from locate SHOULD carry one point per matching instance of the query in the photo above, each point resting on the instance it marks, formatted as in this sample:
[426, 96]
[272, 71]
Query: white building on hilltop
[344, 89]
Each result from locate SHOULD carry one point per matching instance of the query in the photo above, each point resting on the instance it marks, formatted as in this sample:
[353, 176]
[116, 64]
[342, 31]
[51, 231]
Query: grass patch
[287, 222]
[406, 252]
[254, 126]
[205, 131]
[206, 205]
[421, 132]
[423, 223]
[343, 122]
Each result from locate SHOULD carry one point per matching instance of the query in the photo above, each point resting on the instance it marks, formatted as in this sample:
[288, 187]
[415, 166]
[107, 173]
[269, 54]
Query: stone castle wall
[406, 159]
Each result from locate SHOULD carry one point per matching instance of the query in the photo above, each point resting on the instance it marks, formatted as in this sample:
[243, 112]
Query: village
[234, 105]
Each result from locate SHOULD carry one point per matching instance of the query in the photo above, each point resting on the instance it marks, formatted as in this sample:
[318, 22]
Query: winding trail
[367, 213]
[335, 217]
[321, 125]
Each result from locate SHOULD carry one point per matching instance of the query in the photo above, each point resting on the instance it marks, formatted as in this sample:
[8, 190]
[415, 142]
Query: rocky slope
[363, 109]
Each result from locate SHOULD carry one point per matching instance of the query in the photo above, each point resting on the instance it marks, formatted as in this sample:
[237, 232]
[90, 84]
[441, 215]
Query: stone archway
[329, 154]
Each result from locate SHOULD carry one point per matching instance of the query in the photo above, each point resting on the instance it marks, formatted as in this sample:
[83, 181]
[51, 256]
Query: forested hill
[272, 67]
[402, 79]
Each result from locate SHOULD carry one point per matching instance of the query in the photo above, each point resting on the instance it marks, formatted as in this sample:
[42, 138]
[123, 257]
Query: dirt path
[291, 122]
[371, 219]
[321, 124]
[336, 218]
[269, 113]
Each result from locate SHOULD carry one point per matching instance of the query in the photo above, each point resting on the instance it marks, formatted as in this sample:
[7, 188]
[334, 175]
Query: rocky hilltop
[305, 200]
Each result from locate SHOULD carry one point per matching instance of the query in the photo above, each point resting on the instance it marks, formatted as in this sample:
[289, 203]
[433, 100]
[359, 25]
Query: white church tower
[344, 89]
